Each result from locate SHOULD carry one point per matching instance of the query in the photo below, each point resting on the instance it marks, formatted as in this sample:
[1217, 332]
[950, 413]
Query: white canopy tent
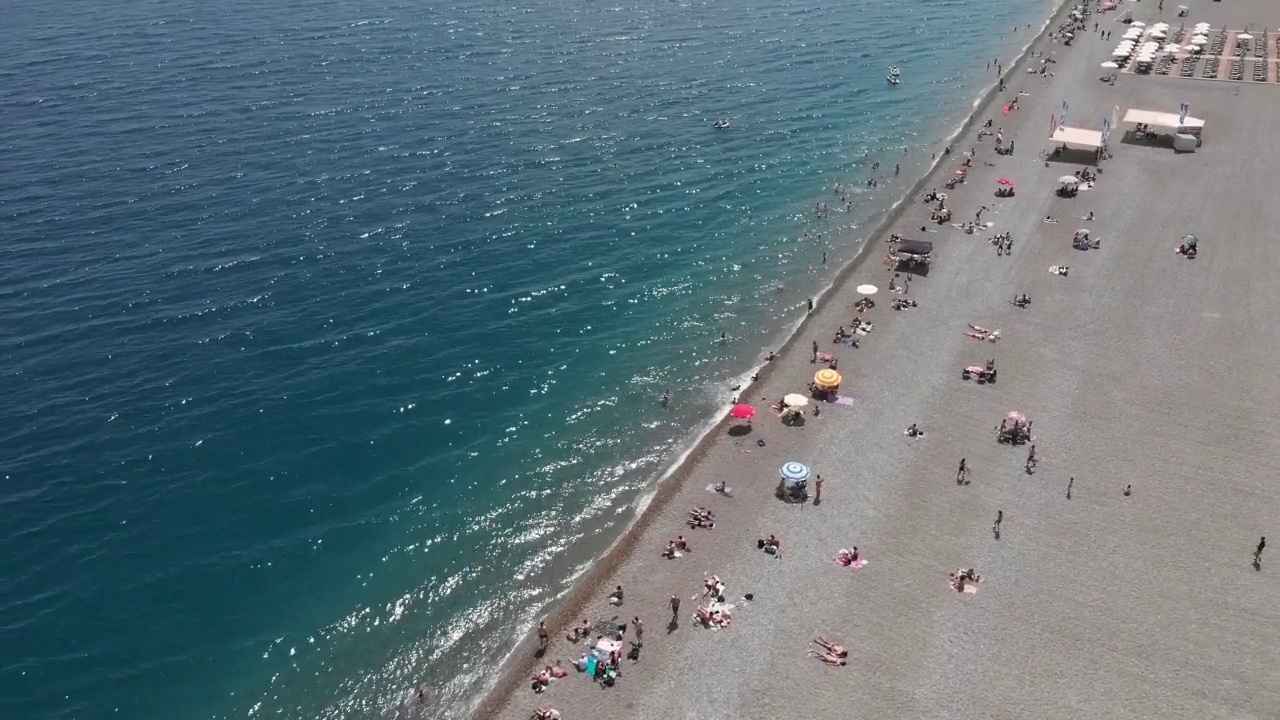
[1079, 137]
[1164, 120]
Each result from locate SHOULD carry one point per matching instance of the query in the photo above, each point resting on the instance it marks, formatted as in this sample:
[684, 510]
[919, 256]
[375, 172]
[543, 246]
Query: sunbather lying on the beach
[547, 713]
[713, 618]
[901, 303]
[829, 659]
[1059, 270]
[834, 649]
[1050, 219]
[982, 333]
[702, 520]
[913, 431]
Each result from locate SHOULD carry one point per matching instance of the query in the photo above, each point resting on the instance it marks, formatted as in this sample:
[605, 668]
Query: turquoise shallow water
[335, 330]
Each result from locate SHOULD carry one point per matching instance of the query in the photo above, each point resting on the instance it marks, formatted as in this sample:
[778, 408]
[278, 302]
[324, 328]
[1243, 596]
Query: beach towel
[844, 400]
[591, 665]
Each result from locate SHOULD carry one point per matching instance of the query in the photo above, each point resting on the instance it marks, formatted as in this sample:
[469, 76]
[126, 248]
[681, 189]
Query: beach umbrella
[1172, 48]
[1244, 36]
[827, 378]
[1110, 65]
[1199, 40]
[794, 471]
[1016, 416]
[1121, 52]
[1189, 239]
[795, 400]
[867, 289]
[743, 411]
[1068, 180]
[1138, 23]
[1159, 34]
[1195, 48]
[1006, 182]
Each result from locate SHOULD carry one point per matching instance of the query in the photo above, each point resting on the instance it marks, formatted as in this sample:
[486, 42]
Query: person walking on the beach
[817, 488]
[1031, 459]
[639, 629]
[815, 351]
[999, 519]
[1070, 482]
[675, 607]
[1257, 554]
[897, 168]
[962, 472]
[810, 306]
[543, 638]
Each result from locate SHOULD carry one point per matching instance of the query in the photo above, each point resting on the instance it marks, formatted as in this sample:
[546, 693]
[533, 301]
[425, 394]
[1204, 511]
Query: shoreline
[563, 611]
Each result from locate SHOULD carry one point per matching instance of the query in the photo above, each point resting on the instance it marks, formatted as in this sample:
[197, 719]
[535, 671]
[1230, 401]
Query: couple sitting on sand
[546, 713]
[771, 545]
[964, 577]
[675, 548]
[713, 617]
[850, 558]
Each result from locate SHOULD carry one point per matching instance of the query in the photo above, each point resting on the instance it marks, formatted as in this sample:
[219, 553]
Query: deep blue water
[334, 331]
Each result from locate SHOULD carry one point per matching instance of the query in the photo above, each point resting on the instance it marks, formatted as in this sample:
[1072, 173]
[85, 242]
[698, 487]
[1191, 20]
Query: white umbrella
[1160, 26]
[1195, 48]
[867, 289]
[1199, 40]
[1172, 48]
[1244, 36]
[1138, 23]
[1068, 180]
[1133, 35]
[1110, 65]
[795, 400]
[1158, 34]
[1120, 53]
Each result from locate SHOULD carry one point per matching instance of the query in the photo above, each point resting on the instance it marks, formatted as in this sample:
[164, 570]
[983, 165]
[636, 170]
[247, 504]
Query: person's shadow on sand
[1257, 565]
[673, 626]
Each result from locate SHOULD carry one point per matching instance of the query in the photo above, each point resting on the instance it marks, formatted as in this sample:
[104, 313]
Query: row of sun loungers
[1188, 69]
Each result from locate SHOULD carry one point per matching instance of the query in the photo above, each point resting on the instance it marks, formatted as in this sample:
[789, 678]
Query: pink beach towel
[844, 400]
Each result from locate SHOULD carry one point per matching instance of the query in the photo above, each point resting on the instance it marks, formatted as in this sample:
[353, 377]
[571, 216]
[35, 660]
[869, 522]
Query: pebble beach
[1140, 369]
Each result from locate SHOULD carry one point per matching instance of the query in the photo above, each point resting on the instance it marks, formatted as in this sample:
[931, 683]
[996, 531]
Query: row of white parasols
[1146, 53]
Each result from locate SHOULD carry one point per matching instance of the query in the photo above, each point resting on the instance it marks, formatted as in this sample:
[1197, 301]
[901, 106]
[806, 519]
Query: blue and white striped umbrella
[794, 471]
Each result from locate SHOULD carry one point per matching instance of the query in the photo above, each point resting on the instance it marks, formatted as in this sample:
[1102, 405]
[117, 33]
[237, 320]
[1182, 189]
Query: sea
[335, 332]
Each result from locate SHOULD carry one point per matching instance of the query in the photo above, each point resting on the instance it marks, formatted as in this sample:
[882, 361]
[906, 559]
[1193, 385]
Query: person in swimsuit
[830, 647]
[829, 659]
